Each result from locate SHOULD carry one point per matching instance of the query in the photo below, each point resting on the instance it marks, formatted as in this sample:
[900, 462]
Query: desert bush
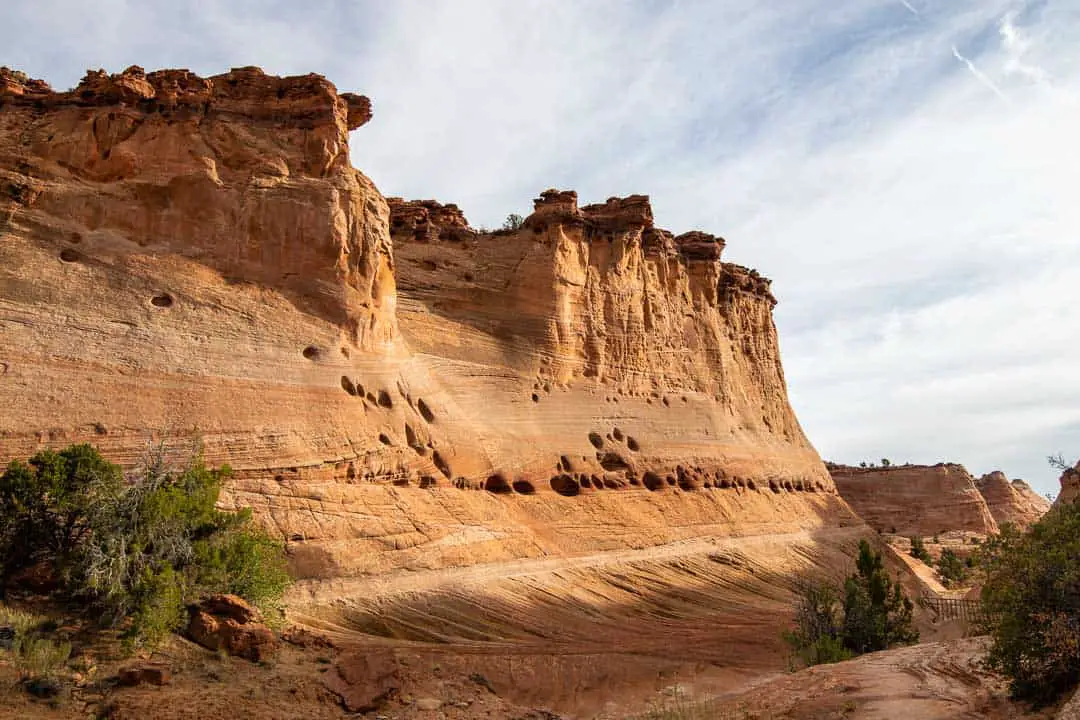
[817, 637]
[1031, 604]
[513, 222]
[37, 656]
[870, 612]
[47, 507]
[20, 622]
[918, 550]
[877, 613]
[138, 550]
[26, 638]
[951, 568]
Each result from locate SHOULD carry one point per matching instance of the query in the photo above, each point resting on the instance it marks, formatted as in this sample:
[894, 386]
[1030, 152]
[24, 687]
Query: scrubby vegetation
[25, 636]
[513, 222]
[918, 550]
[1031, 602]
[870, 612]
[134, 550]
[952, 569]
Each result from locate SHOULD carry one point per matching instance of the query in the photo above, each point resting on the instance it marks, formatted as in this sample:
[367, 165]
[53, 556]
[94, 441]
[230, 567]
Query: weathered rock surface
[1070, 486]
[227, 622]
[930, 681]
[366, 680]
[1011, 501]
[150, 674]
[918, 500]
[186, 255]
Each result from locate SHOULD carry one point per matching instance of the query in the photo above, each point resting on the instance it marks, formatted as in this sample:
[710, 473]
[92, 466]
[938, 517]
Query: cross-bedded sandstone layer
[1011, 501]
[930, 499]
[184, 255]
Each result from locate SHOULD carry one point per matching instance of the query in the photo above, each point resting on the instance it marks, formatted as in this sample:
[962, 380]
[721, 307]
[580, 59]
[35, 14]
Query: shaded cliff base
[692, 630]
[600, 633]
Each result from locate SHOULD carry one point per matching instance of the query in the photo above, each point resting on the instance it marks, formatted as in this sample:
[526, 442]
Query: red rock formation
[916, 500]
[227, 622]
[1011, 502]
[595, 320]
[186, 255]
[429, 220]
[1070, 486]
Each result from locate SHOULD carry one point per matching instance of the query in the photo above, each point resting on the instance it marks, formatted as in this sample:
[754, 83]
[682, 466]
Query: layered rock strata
[1011, 501]
[1070, 486]
[188, 256]
[920, 500]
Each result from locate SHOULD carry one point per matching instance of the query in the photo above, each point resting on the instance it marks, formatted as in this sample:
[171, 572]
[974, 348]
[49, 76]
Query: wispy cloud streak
[979, 74]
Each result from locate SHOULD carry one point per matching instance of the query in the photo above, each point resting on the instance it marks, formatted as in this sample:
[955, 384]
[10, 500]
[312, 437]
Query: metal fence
[968, 611]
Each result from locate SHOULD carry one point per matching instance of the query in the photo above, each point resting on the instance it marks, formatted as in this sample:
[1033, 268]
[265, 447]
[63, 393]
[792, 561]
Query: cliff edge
[921, 500]
[185, 256]
[1011, 501]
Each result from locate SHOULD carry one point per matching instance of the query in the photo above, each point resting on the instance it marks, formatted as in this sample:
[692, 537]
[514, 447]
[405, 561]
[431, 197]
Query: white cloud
[922, 233]
[1016, 47]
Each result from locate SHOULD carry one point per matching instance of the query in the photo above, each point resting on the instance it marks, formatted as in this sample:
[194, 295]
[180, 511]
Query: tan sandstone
[196, 255]
[1011, 501]
[564, 453]
[1070, 486]
[921, 500]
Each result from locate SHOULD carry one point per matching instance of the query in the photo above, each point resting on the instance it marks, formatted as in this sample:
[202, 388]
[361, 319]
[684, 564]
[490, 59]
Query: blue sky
[905, 171]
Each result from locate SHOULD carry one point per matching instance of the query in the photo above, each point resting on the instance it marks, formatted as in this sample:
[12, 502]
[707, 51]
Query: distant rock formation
[183, 255]
[1011, 501]
[921, 500]
[1070, 486]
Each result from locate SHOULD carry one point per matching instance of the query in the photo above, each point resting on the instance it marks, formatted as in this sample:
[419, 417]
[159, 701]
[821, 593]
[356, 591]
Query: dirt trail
[930, 681]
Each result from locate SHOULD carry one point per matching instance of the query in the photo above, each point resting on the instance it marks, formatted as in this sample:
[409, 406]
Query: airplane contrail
[979, 74]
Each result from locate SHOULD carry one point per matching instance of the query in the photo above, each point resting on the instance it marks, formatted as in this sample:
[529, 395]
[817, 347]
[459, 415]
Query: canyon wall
[1011, 501]
[195, 257]
[1070, 486]
[921, 500]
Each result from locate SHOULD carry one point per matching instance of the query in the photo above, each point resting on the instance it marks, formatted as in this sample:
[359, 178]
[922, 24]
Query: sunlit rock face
[918, 500]
[1070, 486]
[184, 256]
[1011, 501]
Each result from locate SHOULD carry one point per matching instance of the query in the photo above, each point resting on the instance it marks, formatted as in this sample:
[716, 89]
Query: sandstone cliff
[187, 255]
[915, 499]
[1070, 486]
[1011, 501]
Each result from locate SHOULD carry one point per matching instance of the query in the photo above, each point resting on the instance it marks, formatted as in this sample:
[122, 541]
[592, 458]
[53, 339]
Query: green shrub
[513, 222]
[40, 657]
[951, 568]
[1031, 602]
[140, 550]
[47, 507]
[877, 614]
[33, 653]
[918, 550]
[20, 621]
[816, 638]
[246, 562]
[869, 613]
